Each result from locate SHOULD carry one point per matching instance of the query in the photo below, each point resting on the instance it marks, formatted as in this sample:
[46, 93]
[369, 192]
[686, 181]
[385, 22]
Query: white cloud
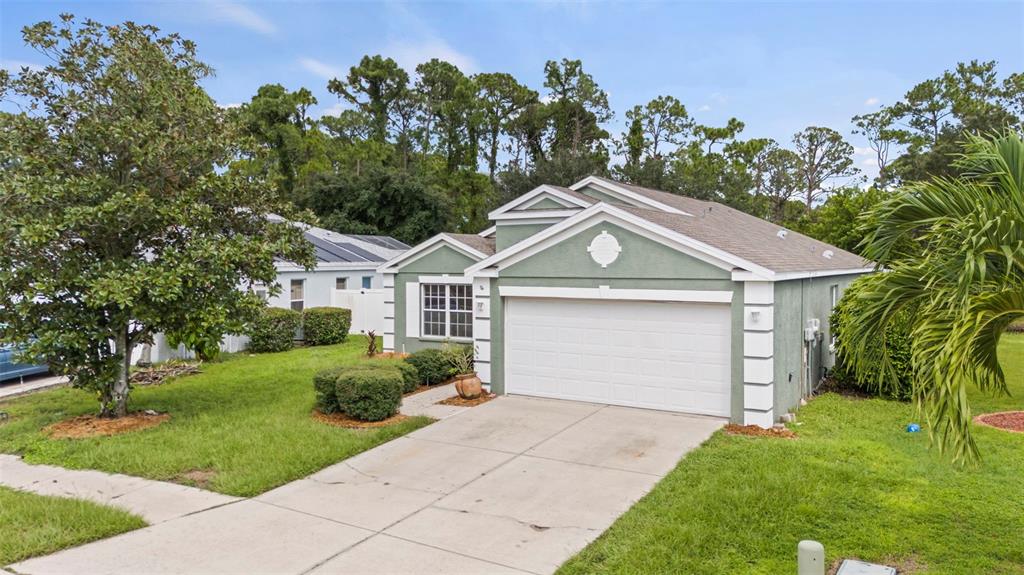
[872, 101]
[333, 110]
[322, 69]
[409, 54]
[16, 66]
[704, 108]
[868, 162]
[230, 105]
[241, 15]
[863, 151]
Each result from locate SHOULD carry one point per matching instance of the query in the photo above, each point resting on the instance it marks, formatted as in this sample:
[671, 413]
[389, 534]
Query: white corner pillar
[389, 311]
[482, 328]
[758, 352]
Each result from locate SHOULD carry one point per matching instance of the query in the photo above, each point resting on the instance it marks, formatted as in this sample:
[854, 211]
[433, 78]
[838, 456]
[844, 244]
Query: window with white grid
[448, 310]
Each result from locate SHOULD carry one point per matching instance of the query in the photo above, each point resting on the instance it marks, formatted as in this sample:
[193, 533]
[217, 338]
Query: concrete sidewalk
[516, 485]
[154, 501]
[35, 383]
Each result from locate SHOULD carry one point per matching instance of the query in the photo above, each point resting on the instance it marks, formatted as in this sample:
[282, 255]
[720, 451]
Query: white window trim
[447, 313]
[445, 279]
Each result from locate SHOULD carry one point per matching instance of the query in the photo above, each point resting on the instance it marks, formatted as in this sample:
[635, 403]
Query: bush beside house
[366, 390]
[898, 382]
[274, 330]
[432, 364]
[326, 325]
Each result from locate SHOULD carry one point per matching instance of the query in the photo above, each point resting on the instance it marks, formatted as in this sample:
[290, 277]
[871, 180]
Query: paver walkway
[516, 485]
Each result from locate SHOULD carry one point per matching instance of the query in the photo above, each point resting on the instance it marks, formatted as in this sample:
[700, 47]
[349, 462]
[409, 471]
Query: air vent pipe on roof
[782, 234]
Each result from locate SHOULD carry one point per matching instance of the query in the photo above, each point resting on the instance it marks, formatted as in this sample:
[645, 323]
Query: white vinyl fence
[367, 307]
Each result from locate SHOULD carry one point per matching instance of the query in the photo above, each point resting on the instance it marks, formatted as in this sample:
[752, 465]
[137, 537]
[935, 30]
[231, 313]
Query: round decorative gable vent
[604, 249]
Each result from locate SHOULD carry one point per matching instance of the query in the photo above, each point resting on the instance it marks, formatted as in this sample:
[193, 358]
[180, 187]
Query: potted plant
[467, 384]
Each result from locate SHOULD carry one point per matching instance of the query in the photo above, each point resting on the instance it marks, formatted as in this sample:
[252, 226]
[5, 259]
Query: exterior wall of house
[642, 264]
[507, 234]
[443, 260]
[319, 285]
[796, 302]
[546, 204]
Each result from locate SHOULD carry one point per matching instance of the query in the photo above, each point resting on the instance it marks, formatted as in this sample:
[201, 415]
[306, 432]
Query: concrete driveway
[517, 485]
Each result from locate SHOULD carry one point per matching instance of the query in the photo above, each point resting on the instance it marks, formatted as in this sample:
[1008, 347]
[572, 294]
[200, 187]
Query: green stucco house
[612, 293]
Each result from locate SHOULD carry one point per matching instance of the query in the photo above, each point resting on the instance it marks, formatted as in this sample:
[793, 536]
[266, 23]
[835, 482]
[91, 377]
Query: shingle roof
[578, 195]
[743, 235]
[480, 244]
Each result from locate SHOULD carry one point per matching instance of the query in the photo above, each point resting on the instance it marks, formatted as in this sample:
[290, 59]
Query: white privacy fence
[367, 307]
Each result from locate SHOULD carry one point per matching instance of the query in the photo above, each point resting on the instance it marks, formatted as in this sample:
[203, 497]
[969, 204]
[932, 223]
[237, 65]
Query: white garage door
[671, 356]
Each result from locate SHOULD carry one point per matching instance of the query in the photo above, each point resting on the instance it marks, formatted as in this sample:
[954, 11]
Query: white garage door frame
[722, 297]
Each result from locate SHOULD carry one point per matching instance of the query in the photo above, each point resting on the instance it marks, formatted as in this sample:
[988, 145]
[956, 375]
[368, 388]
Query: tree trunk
[119, 395]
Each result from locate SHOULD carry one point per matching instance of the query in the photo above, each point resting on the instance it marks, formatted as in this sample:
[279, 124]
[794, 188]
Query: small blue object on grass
[913, 428]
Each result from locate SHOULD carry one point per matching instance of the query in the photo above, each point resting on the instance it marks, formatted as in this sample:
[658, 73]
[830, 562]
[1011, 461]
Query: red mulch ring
[342, 420]
[757, 431]
[93, 426]
[456, 400]
[1005, 420]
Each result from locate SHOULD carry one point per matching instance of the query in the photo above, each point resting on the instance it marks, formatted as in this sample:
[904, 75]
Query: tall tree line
[417, 152]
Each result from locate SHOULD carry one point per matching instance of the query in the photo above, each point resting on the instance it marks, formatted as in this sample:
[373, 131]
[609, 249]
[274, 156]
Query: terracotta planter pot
[468, 386]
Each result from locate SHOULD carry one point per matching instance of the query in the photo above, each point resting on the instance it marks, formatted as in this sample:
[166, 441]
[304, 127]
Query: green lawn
[854, 480]
[33, 524]
[244, 422]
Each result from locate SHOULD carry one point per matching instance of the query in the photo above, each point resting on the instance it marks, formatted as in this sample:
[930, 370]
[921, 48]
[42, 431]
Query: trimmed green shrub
[410, 375]
[370, 394]
[273, 330]
[897, 342]
[325, 387]
[432, 365]
[326, 325]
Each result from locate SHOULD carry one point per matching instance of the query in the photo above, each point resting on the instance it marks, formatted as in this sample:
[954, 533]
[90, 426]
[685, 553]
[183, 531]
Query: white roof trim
[327, 266]
[534, 215]
[522, 201]
[743, 275]
[425, 248]
[625, 193]
[488, 232]
[539, 242]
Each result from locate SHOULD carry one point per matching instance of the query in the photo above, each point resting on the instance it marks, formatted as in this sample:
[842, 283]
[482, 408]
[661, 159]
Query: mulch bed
[94, 426]
[160, 373]
[458, 401]
[342, 420]
[390, 355]
[1005, 420]
[757, 431]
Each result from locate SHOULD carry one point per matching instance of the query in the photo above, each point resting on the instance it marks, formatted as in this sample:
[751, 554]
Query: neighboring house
[618, 294]
[345, 276]
[343, 262]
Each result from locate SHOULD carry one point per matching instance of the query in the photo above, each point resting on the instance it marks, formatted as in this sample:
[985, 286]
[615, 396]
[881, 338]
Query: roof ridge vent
[827, 254]
[782, 234]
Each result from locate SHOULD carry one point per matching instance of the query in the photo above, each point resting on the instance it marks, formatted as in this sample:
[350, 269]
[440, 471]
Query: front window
[298, 294]
[367, 282]
[448, 310]
[340, 283]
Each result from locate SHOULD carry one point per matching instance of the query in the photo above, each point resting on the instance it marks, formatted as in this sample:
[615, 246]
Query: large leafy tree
[824, 157]
[951, 251]
[117, 221]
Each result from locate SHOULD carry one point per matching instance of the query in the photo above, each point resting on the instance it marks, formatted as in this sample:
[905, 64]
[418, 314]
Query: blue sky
[779, 67]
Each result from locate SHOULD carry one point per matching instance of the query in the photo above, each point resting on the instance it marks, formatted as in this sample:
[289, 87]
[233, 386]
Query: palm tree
[951, 252]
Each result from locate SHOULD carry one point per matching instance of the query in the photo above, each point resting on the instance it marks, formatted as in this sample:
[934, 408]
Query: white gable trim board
[599, 213]
[535, 195]
[428, 247]
[629, 196]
